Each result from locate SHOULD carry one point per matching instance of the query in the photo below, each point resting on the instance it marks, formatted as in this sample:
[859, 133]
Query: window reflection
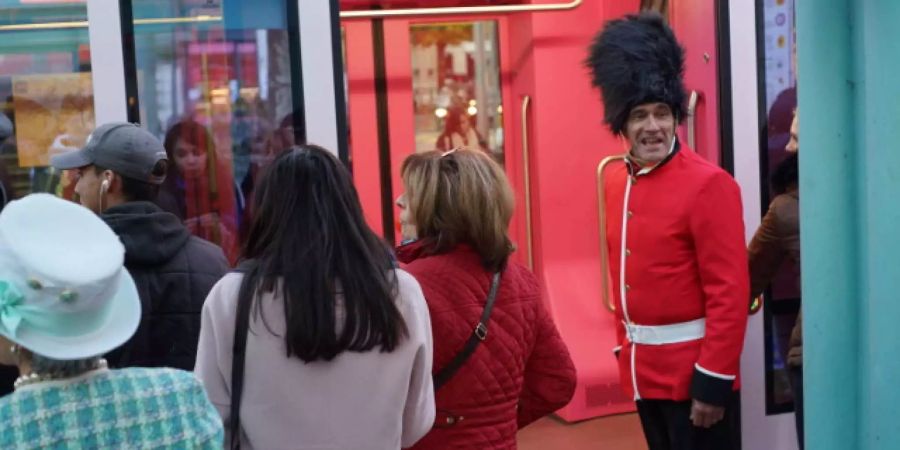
[46, 103]
[456, 87]
[199, 187]
[46, 96]
[783, 297]
[219, 93]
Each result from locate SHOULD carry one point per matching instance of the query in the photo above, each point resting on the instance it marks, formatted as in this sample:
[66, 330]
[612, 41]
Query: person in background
[290, 128]
[459, 132]
[200, 188]
[778, 240]
[335, 341]
[119, 172]
[456, 210]
[65, 300]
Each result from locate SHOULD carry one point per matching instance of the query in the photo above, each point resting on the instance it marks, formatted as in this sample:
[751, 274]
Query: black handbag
[238, 351]
[479, 334]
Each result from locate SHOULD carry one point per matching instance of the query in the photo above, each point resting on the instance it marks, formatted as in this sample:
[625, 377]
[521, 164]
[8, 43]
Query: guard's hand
[704, 415]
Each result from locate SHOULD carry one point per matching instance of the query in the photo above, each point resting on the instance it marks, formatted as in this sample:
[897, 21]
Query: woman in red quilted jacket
[456, 211]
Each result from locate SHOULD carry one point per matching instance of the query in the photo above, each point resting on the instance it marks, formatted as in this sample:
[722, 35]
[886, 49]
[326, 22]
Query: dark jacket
[778, 239]
[8, 375]
[174, 272]
[520, 373]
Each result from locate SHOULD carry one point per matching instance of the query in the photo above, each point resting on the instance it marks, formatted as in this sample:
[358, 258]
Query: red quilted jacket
[520, 373]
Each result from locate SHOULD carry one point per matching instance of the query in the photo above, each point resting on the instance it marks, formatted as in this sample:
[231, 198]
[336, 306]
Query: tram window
[780, 94]
[456, 86]
[46, 101]
[46, 96]
[215, 85]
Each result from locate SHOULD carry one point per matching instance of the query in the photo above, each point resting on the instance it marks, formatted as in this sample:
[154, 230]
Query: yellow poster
[54, 113]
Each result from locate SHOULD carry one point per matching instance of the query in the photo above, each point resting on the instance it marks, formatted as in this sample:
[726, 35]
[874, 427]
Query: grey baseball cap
[124, 148]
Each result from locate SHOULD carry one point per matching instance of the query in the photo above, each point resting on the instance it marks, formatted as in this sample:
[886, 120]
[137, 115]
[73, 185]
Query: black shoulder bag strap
[479, 334]
[238, 352]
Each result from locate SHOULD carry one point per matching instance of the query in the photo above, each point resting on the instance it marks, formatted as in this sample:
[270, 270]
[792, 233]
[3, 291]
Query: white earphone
[104, 187]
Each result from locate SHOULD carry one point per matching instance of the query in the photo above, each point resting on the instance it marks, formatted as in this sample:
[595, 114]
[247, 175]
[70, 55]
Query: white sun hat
[64, 293]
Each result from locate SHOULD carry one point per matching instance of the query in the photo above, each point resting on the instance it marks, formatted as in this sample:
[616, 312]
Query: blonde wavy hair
[460, 197]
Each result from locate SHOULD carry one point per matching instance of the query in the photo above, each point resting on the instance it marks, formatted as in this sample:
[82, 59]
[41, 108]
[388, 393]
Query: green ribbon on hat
[11, 300]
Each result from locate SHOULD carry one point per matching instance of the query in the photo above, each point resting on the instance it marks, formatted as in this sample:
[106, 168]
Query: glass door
[218, 82]
[420, 85]
[46, 94]
[46, 101]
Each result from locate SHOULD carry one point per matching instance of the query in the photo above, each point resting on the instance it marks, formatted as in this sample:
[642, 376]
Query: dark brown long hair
[310, 244]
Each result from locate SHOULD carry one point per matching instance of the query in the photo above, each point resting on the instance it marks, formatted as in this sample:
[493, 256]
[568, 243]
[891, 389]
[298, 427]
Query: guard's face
[650, 130]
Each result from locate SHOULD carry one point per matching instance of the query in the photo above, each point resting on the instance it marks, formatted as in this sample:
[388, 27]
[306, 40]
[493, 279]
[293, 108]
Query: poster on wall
[780, 76]
[779, 42]
[54, 113]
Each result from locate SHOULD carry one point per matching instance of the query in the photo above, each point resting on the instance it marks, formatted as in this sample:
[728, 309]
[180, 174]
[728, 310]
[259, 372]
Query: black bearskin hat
[637, 60]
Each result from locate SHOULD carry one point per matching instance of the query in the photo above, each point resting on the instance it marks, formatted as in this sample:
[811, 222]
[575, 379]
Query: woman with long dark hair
[338, 353]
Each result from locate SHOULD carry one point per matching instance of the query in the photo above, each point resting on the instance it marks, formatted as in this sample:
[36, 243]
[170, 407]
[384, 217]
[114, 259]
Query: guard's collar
[635, 168]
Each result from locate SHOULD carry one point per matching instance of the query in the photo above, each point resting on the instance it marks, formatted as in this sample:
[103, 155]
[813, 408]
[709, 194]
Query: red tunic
[684, 258]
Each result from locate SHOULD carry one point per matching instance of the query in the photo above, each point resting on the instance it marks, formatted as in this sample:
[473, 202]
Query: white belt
[666, 334]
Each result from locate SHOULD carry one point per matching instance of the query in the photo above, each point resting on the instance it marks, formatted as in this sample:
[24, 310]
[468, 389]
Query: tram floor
[621, 432]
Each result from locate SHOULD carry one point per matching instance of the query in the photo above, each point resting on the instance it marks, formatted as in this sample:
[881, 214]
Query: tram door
[420, 84]
[514, 85]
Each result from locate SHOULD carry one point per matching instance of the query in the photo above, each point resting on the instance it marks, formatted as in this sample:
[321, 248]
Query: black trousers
[8, 375]
[667, 426]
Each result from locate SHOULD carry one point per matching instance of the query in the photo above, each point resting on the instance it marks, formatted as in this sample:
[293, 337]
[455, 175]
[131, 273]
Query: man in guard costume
[676, 236]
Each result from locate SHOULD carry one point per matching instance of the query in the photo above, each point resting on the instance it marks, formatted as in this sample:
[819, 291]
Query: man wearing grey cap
[119, 173]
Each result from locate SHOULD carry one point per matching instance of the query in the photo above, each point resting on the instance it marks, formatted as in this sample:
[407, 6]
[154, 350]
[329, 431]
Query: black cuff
[710, 389]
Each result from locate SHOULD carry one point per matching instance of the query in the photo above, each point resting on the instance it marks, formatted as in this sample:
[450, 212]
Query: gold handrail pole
[692, 120]
[526, 103]
[459, 10]
[604, 249]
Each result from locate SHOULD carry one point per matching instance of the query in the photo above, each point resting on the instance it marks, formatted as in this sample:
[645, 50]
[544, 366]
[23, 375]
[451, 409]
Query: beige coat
[370, 400]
